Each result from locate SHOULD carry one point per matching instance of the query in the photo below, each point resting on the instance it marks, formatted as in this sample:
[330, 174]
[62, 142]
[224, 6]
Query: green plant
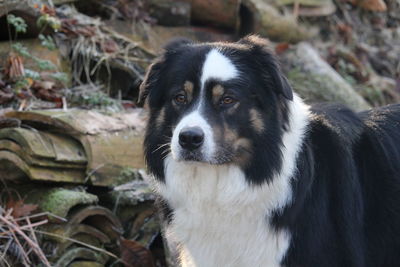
[21, 50]
[20, 26]
[60, 76]
[18, 23]
[47, 20]
[47, 41]
[34, 75]
[92, 97]
[40, 63]
[21, 83]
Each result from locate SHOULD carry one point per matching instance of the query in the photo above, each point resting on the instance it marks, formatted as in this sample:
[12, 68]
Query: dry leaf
[372, 5]
[46, 90]
[48, 10]
[133, 254]
[109, 46]
[345, 31]
[49, 95]
[14, 66]
[281, 47]
[24, 94]
[128, 104]
[20, 209]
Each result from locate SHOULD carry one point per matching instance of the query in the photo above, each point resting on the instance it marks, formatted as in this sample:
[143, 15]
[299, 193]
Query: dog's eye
[227, 100]
[180, 99]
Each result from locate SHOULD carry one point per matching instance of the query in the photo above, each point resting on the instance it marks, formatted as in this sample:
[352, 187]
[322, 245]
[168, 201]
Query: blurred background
[71, 163]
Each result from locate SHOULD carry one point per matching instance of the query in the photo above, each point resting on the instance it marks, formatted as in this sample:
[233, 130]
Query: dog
[250, 175]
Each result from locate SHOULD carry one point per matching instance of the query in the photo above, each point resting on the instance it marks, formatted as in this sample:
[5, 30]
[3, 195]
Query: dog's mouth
[191, 156]
[197, 156]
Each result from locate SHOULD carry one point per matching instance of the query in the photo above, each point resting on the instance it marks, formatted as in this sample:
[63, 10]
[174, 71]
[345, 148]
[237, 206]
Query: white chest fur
[220, 220]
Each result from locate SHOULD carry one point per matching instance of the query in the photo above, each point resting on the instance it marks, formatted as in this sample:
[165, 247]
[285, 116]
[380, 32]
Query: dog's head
[216, 103]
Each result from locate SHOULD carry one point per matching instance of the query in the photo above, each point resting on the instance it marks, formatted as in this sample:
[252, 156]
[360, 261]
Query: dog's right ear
[154, 70]
[152, 75]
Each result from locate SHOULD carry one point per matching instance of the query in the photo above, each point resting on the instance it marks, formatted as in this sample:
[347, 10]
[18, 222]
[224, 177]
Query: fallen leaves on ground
[345, 31]
[17, 231]
[371, 5]
[73, 28]
[47, 90]
[14, 67]
[19, 208]
[133, 254]
[109, 46]
[281, 48]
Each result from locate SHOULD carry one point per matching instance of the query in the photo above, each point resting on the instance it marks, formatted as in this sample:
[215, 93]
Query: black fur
[346, 210]
[346, 191]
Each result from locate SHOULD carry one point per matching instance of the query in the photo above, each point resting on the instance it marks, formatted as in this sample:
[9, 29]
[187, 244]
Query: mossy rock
[60, 201]
[316, 81]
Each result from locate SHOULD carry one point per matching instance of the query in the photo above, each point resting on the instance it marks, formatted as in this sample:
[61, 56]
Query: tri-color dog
[251, 176]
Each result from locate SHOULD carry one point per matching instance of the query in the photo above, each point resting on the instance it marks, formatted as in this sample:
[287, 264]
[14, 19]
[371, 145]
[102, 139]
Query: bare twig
[24, 227]
[13, 225]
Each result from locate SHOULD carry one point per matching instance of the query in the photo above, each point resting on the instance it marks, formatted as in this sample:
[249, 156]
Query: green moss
[314, 88]
[59, 201]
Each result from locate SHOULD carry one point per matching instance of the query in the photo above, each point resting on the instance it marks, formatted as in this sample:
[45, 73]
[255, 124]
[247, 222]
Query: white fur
[221, 220]
[217, 66]
[194, 119]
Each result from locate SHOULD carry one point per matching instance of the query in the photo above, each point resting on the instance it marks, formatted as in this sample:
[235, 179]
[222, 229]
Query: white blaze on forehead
[217, 66]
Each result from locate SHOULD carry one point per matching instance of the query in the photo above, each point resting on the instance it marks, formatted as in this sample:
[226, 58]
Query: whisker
[165, 156]
[161, 146]
[166, 151]
[167, 137]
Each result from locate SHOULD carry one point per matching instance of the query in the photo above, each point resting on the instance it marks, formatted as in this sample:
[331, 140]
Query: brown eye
[180, 99]
[227, 100]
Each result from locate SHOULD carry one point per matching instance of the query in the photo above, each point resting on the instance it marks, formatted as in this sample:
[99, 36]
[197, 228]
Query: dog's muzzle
[192, 139]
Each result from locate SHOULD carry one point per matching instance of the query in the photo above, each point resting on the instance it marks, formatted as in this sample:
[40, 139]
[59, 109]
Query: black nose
[191, 138]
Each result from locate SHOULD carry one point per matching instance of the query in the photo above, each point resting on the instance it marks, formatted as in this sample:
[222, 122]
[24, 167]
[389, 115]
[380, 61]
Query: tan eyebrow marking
[256, 120]
[217, 91]
[188, 87]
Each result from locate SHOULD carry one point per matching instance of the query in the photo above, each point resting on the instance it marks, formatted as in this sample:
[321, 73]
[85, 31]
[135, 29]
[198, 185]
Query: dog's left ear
[268, 64]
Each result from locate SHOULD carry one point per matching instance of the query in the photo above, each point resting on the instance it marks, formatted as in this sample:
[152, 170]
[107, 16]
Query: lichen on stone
[59, 201]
